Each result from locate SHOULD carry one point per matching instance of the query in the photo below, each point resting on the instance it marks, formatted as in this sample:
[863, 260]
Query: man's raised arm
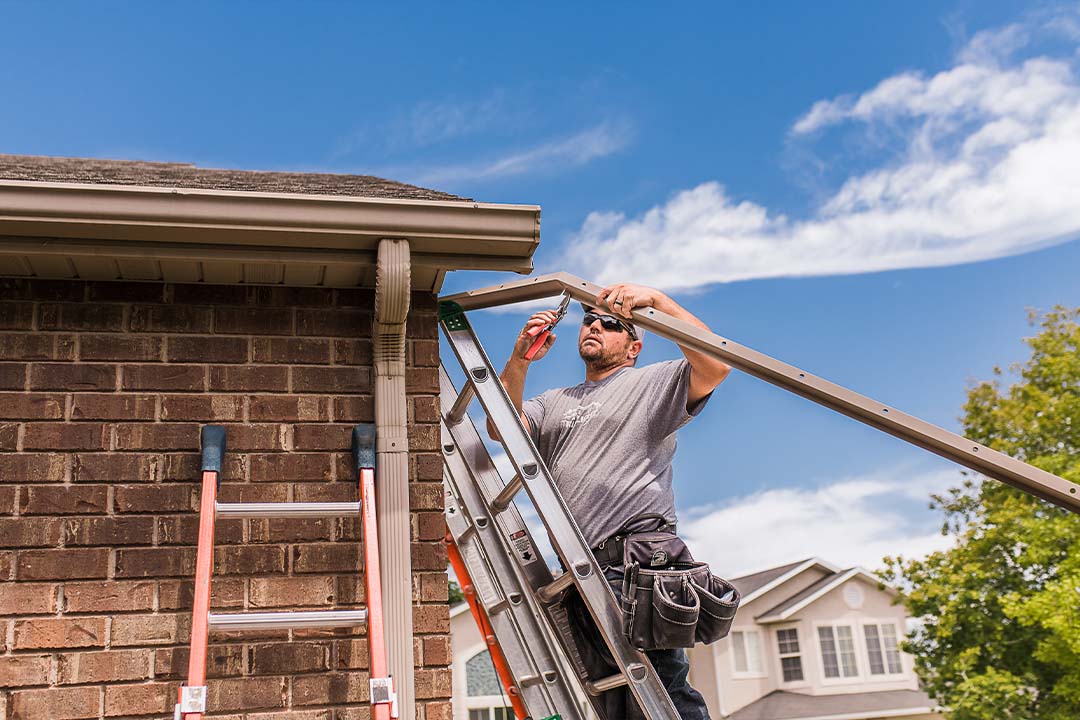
[513, 374]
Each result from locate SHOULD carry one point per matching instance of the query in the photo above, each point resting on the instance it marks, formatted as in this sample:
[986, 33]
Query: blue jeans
[671, 665]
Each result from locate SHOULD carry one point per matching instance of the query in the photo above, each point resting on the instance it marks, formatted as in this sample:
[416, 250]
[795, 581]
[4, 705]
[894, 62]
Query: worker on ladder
[609, 443]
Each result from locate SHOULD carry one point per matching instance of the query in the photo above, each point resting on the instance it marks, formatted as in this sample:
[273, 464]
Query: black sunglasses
[608, 322]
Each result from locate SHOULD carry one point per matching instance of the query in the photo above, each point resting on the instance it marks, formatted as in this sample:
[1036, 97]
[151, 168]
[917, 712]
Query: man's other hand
[624, 297]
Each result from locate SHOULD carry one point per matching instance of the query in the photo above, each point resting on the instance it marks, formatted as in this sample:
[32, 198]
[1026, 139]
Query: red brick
[292, 591]
[144, 699]
[26, 598]
[156, 629]
[350, 654]
[330, 689]
[117, 467]
[288, 408]
[108, 531]
[72, 376]
[431, 618]
[421, 326]
[354, 408]
[170, 318]
[36, 346]
[120, 347]
[178, 594]
[9, 437]
[326, 558]
[200, 294]
[156, 498]
[331, 379]
[429, 466]
[24, 670]
[7, 567]
[16, 315]
[433, 683]
[108, 596]
[174, 378]
[209, 408]
[433, 587]
[56, 703]
[424, 438]
[184, 530]
[299, 296]
[127, 291]
[291, 530]
[153, 436]
[26, 406]
[254, 492]
[430, 526]
[288, 658]
[425, 353]
[66, 564]
[100, 667]
[293, 351]
[249, 559]
[334, 322]
[248, 437]
[326, 492]
[7, 503]
[81, 316]
[207, 349]
[112, 407]
[38, 633]
[426, 496]
[290, 467]
[425, 409]
[255, 320]
[322, 437]
[155, 562]
[221, 661]
[32, 467]
[30, 532]
[354, 297]
[437, 650]
[64, 436]
[249, 378]
[429, 556]
[353, 352]
[12, 376]
[37, 289]
[442, 710]
[247, 693]
[64, 500]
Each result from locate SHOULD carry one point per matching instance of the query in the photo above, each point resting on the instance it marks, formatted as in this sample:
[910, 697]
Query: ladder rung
[549, 592]
[461, 404]
[506, 495]
[287, 509]
[603, 685]
[287, 620]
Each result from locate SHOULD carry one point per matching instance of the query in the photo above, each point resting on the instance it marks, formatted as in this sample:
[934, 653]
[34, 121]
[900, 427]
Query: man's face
[602, 348]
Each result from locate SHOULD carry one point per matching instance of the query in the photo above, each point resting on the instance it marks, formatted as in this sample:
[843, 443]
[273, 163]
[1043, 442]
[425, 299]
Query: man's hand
[624, 297]
[525, 340]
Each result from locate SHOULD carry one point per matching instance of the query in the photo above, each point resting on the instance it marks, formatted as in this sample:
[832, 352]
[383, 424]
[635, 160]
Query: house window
[787, 641]
[882, 649]
[485, 693]
[837, 651]
[746, 649]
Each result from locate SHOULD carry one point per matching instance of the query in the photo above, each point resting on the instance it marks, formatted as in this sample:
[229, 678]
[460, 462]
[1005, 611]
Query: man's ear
[634, 350]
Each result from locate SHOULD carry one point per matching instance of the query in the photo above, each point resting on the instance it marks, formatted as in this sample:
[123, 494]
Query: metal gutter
[142, 221]
[392, 294]
[920, 433]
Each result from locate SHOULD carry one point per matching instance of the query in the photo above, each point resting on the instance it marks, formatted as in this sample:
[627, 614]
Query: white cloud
[856, 521]
[569, 152]
[988, 165]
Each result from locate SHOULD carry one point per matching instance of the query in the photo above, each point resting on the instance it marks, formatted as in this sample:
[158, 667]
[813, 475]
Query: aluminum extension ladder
[192, 696]
[514, 586]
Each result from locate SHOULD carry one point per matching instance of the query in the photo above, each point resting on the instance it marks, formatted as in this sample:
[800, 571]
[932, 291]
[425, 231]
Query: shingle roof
[782, 705]
[749, 583]
[182, 175]
[800, 596]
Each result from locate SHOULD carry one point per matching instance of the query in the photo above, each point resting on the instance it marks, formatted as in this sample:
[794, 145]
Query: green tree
[1000, 610]
[456, 594]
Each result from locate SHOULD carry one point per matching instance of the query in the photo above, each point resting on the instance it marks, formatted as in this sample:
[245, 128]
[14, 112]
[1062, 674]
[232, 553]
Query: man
[609, 442]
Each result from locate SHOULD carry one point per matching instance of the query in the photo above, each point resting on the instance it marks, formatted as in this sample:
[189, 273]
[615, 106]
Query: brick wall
[103, 389]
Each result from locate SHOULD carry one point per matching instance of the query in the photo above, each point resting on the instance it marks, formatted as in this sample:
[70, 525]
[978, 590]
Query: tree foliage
[1000, 610]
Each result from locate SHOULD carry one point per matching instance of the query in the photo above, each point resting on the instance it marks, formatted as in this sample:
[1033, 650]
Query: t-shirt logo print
[581, 415]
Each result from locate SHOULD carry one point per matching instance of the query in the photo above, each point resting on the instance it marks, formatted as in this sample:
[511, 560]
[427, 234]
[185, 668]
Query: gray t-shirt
[609, 444]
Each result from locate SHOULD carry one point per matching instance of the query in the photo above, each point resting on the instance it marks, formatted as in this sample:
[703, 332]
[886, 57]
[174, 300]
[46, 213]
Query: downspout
[392, 288]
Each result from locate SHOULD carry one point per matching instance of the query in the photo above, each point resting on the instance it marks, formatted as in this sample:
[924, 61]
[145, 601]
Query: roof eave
[176, 223]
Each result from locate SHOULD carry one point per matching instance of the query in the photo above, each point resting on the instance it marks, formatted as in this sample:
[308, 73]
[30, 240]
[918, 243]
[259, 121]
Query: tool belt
[669, 600]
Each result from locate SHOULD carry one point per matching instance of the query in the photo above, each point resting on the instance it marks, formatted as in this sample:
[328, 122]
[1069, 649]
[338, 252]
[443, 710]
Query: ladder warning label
[523, 547]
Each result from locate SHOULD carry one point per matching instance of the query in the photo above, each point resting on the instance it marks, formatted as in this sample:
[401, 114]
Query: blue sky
[875, 192]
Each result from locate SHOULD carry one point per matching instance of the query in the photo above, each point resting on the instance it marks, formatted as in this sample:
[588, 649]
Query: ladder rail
[566, 538]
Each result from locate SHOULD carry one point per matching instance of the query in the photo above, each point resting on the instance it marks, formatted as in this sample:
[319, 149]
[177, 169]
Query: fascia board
[976, 456]
[789, 575]
[239, 221]
[821, 592]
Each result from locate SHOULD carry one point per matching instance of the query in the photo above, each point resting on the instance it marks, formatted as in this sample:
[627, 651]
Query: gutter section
[392, 288]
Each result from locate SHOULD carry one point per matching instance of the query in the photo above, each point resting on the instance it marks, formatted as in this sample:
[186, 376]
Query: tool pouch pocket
[668, 599]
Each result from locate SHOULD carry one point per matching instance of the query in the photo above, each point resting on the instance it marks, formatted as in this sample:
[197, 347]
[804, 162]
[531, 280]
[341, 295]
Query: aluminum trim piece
[227, 622]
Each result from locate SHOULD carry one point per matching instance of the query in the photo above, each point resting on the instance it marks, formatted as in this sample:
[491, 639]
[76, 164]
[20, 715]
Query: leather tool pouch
[668, 599]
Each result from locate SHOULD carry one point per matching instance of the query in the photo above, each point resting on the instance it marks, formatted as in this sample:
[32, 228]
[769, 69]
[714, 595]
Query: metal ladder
[192, 695]
[516, 587]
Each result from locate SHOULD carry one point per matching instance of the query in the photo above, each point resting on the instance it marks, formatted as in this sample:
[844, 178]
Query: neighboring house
[810, 642]
[140, 301]
[813, 642]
